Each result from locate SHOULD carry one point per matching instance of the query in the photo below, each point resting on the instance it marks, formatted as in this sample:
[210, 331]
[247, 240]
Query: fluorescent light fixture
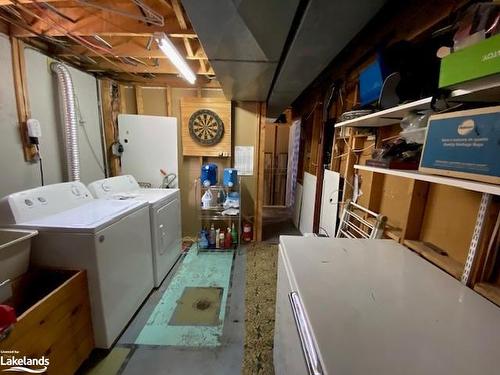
[168, 48]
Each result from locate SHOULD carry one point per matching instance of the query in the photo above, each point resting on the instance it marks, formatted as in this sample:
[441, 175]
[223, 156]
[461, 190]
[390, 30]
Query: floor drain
[198, 306]
[202, 304]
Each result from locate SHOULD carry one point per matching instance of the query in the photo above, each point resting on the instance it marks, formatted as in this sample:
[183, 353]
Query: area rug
[260, 301]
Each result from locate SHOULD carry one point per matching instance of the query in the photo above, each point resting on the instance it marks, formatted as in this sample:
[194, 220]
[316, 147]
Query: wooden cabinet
[53, 319]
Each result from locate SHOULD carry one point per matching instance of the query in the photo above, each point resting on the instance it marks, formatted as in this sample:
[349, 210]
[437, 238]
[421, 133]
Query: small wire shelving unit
[214, 215]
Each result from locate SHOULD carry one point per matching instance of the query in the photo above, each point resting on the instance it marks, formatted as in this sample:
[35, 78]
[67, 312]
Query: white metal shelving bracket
[476, 237]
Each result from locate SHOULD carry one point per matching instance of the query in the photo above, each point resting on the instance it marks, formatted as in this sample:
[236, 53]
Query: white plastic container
[206, 200]
[15, 246]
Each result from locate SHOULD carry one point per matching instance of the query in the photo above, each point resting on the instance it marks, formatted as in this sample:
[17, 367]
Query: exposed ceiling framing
[111, 37]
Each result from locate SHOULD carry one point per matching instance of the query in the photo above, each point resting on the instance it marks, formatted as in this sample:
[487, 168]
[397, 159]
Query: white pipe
[68, 105]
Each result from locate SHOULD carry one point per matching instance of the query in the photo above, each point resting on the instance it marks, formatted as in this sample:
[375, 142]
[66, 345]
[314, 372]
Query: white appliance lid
[152, 196]
[155, 195]
[91, 216]
[375, 307]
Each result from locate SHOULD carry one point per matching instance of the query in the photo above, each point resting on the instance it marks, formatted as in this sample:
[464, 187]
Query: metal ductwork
[273, 49]
[243, 40]
[68, 106]
[327, 26]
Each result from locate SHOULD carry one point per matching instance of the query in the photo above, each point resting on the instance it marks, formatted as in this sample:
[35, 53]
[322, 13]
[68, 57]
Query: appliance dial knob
[75, 191]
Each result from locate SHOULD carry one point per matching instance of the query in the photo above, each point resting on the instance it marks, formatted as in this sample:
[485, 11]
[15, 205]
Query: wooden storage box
[464, 144]
[54, 320]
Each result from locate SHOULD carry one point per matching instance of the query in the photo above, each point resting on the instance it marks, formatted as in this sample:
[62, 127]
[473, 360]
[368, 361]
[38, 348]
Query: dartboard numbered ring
[206, 127]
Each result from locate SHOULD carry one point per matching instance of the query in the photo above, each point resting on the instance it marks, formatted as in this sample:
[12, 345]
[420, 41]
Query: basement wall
[15, 173]
[245, 126]
[44, 103]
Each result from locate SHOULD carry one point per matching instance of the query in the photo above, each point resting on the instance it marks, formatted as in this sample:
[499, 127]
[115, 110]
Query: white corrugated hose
[68, 105]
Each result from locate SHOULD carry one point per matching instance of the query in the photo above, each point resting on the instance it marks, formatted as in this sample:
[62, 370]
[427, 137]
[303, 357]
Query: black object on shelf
[396, 154]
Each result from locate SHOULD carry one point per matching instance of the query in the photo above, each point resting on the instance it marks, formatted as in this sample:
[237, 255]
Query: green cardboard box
[475, 62]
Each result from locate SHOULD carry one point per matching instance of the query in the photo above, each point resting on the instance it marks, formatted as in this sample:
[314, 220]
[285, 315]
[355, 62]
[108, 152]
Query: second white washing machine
[165, 217]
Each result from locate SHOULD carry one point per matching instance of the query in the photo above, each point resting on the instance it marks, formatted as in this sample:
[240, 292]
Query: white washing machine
[108, 238]
[164, 208]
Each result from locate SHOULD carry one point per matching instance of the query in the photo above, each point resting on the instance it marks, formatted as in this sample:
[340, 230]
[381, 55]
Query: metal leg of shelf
[476, 237]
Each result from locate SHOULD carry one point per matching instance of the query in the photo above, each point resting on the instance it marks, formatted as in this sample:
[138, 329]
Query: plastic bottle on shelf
[234, 235]
[206, 200]
[228, 239]
[222, 238]
[211, 236]
[217, 233]
[203, 239]
[220, 197]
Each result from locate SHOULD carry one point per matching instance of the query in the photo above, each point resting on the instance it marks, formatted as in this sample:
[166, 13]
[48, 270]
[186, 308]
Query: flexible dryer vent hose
[68, 104]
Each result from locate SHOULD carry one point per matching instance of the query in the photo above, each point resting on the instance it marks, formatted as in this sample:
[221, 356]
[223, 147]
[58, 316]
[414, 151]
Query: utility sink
[15, 246]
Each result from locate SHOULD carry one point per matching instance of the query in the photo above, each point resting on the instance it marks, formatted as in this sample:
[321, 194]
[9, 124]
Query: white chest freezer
[348, 307]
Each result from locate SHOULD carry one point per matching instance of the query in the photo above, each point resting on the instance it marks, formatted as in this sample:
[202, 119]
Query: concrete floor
[128, 358]
[277, 221]
[224, 359]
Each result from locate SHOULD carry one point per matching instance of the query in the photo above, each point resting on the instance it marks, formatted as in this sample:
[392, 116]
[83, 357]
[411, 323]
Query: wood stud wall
[111, 106]
[259, 201]
[22, 101]
[435, 221]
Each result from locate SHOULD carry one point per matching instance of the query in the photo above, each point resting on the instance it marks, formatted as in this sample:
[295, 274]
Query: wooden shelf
[393, 234]
[456, 182]
[390, 232]
[218, 217]
[489, 291]
[436, 256]
[387, 116]
[482, 90]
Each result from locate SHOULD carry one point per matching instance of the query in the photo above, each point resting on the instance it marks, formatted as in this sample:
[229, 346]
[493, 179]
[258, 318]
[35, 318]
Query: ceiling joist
[163, 67]
[93, 22]
[168, 80]
[74, 30]
[134, 48]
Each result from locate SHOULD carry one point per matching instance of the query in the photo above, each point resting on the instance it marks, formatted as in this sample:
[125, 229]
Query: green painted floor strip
[197, 270]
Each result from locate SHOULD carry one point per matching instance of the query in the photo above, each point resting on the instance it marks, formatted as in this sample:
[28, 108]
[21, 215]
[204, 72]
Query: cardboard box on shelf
[480, 61]
[464, 144]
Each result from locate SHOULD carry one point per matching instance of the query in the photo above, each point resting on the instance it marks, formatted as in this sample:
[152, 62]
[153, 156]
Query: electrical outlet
[34, 128]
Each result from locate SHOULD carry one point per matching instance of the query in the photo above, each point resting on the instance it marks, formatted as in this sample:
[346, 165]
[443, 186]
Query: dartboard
[206, 127]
